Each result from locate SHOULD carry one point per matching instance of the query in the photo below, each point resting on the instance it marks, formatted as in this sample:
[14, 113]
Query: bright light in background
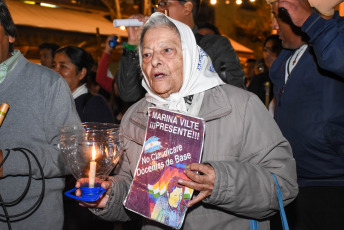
[228, 2]
[252, 0]
[213, 2]
[122, 27]
[238, 2]
[41, 4]
[48, 5]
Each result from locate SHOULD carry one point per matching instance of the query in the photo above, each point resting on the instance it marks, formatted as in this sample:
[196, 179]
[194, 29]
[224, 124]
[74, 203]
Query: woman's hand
[203, 182]
[101, 203]
[134, 32]
[108, 49]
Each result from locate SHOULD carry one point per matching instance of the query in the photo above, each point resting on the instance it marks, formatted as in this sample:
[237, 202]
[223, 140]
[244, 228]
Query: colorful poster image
[173, 141]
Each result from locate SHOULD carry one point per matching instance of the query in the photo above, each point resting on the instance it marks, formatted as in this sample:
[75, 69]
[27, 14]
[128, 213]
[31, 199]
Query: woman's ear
[82, 73]
[11, 39]
[188, 6]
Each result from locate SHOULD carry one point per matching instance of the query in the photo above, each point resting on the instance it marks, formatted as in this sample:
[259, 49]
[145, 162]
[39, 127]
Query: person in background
[271, 49]
[207, 28]
[261, 84]
[324, 30]
[308, 86]
[105, 79]
[92, 84]
[220, 50]
[260, 67]
[74, 64]
[40, 103]
[46, 52]
[249, 68]
[234, 182]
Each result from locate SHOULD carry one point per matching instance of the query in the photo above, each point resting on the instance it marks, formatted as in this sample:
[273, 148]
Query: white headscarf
[198, 73]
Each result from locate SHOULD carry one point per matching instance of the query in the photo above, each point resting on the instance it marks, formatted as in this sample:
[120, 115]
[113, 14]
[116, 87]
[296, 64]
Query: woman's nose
[156, 60]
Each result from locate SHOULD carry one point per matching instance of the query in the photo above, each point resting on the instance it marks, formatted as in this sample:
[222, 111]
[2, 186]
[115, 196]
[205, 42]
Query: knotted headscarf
[198, 72]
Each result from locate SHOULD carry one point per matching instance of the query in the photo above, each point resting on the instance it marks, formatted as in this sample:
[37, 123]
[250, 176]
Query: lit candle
[93, 166]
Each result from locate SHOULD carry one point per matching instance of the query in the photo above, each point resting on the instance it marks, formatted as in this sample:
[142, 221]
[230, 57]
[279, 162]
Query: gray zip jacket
[40, 103]
[244, 146]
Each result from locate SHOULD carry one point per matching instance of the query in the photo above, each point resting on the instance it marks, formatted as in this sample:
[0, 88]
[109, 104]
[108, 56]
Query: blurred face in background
[46, 57]
[64, 66]
[269, 54]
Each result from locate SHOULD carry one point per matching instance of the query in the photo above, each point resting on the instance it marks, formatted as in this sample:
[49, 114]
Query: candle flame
[94, 153]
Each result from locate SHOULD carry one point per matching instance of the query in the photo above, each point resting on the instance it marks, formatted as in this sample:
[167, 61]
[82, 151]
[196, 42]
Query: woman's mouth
[159, 75]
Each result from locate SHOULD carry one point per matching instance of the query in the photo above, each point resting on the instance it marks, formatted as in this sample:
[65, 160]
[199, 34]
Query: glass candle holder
[91, 150]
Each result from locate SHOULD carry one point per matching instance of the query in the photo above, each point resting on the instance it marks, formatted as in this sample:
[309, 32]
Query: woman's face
[64, 66]
[162, 60]
[175, 197]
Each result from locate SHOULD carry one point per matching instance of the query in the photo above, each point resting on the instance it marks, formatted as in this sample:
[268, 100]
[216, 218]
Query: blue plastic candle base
[87, 194]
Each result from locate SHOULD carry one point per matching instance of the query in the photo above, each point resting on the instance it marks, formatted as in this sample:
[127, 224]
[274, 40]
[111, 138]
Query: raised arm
[102, 78]
[128, 79]
[325, 34]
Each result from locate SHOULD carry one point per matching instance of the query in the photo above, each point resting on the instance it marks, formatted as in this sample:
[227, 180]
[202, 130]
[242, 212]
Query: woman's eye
[167, 50]
[146, 55]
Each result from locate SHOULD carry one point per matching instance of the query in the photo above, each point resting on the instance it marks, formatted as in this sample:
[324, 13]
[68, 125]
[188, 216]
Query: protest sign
[173, 141]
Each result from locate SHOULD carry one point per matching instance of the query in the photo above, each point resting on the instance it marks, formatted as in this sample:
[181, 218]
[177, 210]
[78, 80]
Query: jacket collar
[215, 105]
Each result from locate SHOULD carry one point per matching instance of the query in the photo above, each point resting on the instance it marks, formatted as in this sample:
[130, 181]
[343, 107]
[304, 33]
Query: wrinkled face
[5, 41]
[175, 197]
[162, 60]
[64, 66]
[268, 54]
[289, 39]
[46, 57]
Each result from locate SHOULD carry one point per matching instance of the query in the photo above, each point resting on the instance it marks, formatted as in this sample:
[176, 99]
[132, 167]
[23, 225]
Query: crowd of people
[280, 115]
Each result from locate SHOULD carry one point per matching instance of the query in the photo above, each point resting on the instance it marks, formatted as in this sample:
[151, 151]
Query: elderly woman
[242, 144]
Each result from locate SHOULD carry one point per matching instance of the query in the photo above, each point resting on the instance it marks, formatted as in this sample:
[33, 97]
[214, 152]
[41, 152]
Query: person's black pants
[314, 208]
